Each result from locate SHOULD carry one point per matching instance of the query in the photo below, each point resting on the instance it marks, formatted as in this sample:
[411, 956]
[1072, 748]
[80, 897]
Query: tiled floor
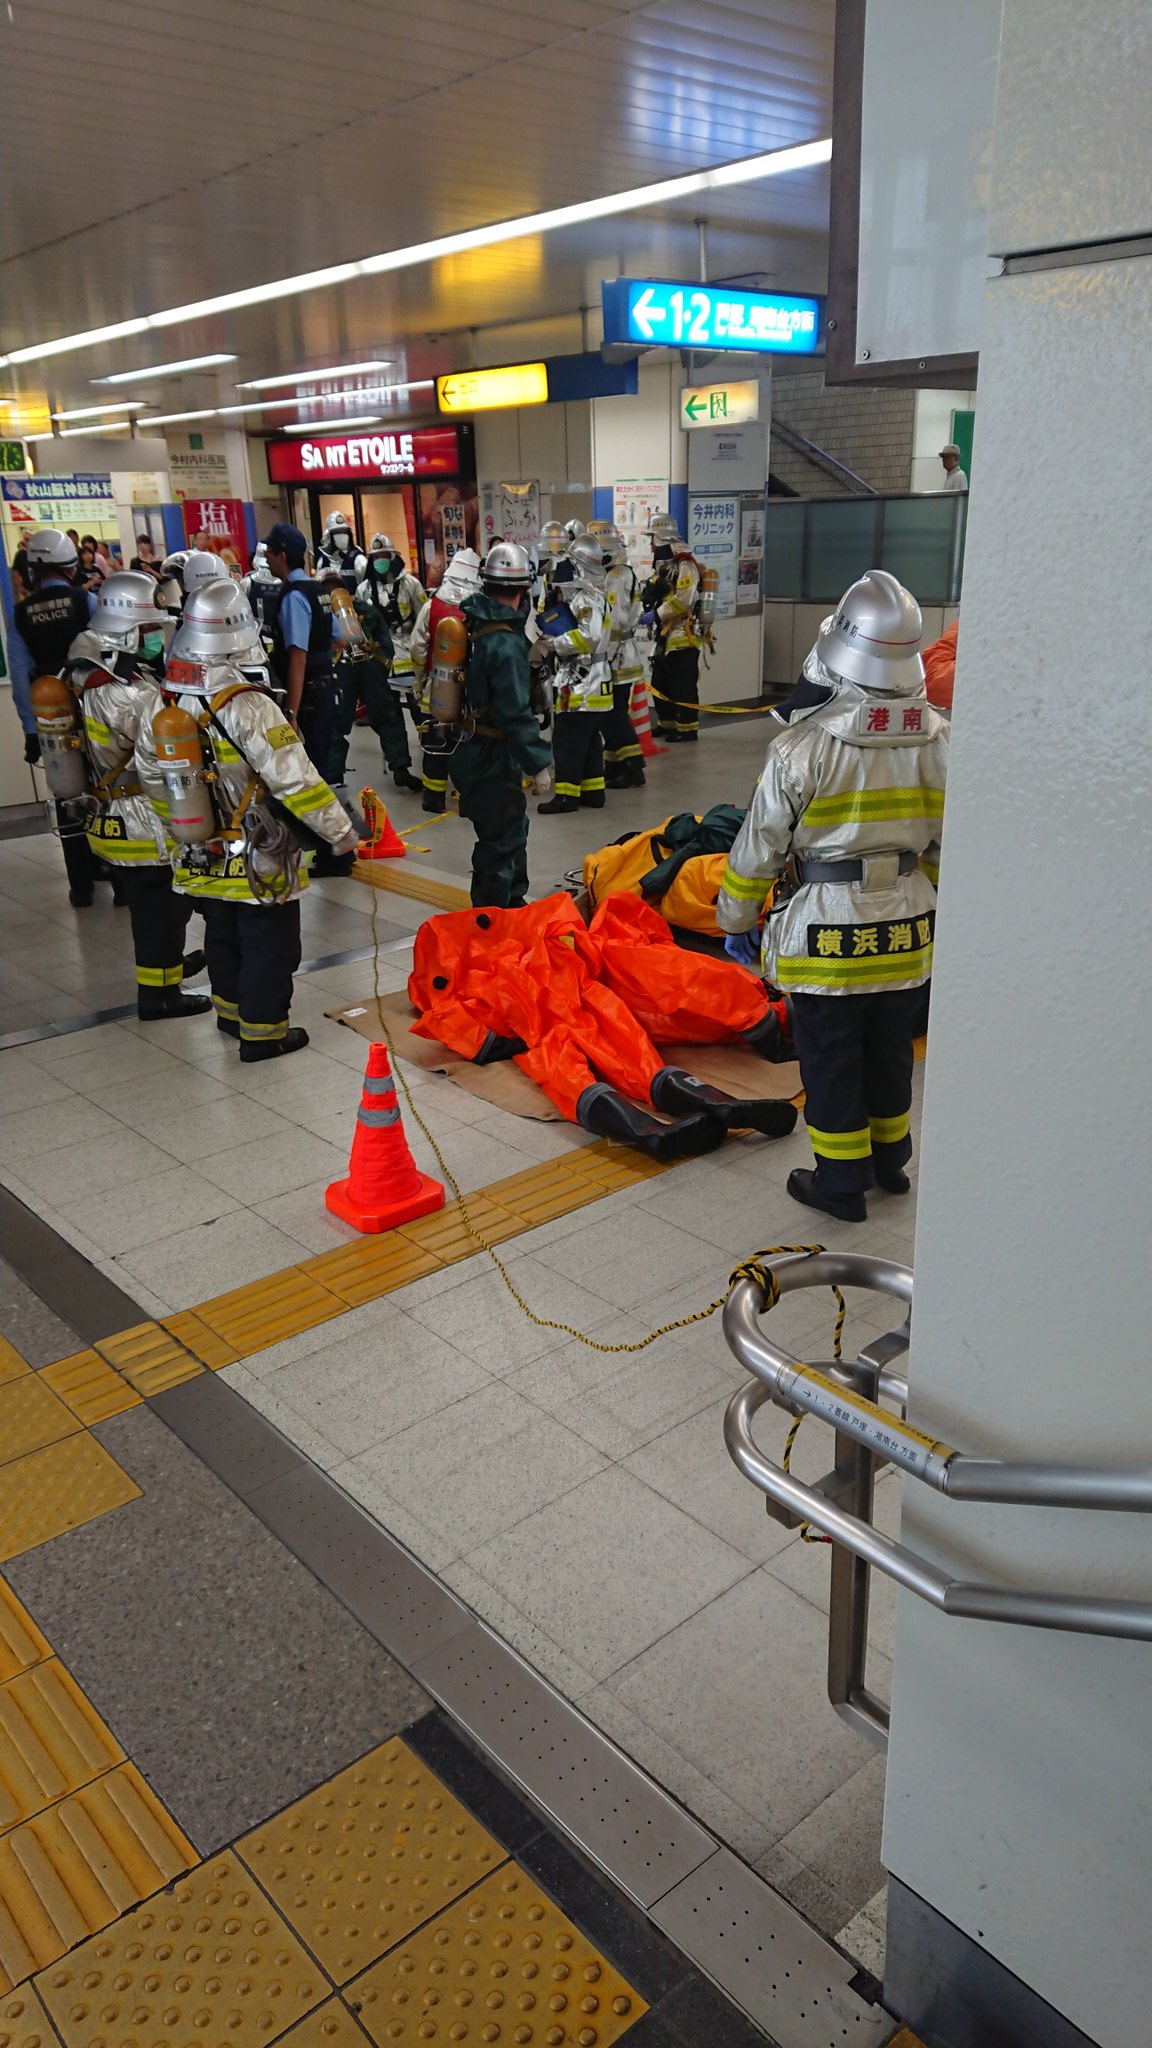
[581, 1501]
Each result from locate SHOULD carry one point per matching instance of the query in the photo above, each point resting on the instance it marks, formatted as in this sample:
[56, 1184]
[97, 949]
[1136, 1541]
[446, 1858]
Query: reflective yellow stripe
[303, 800]
[579, 641]
[437, 788]
[801, 970]
[874, 806]
[97, 733]
[225, 1009]
[150, 977]
[161, 806]
[567, 789]
[888, 1130]
[253, 1032]
[745, 888]
[173, 976]
[593, 782]
[130, 852]
[223, 750]
[219, 888]
[931, 868]
[840, 1144]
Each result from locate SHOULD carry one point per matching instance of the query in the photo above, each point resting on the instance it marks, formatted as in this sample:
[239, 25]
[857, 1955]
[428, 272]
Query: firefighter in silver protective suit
[116, 690]
[243, 805]
[848, 811]
[572, 638]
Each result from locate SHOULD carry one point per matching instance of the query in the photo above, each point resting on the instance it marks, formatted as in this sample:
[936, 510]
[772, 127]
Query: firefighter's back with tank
[113, 689]
[242, 804]
[849, 808]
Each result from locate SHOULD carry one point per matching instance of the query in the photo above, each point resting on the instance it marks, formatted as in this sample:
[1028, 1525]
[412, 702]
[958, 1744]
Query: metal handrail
[868, 1437]
[820, 457]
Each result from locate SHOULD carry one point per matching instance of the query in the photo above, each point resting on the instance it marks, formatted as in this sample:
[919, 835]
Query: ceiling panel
[209, 147]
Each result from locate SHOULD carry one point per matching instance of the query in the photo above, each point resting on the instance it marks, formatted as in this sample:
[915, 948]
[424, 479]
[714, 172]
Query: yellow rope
[749, 1269]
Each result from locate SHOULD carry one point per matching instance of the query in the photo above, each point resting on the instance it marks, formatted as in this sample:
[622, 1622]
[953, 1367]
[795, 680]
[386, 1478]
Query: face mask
[381, 565]
[341, 539]
[152, 644]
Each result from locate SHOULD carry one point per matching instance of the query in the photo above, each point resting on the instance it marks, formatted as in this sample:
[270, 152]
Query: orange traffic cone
[383, 841]
[640, 712]
[383, 1187]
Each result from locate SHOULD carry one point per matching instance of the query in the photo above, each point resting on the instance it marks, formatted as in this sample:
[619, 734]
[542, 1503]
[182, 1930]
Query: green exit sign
[12, 456]
[720, 405]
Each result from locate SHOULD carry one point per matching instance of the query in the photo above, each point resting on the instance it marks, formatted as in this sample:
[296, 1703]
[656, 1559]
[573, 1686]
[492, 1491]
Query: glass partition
[815, 547]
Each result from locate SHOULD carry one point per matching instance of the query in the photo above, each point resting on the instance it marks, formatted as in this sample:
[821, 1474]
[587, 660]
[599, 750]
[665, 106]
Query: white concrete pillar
[1019, 1803]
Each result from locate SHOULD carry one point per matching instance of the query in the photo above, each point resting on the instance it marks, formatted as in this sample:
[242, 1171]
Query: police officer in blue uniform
[301, 658]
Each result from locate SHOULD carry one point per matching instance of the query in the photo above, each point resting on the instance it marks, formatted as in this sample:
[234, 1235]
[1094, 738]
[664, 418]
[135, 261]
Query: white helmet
[217, 626]
[382, 544]
[615, 549]
[201, 568]
[662, 528]
[461, 578]
[873, 637]
[260, 572]
[506, 565]
[126, 601]
[337, 536]
[51, 549]
[173, 564]
[587, 557]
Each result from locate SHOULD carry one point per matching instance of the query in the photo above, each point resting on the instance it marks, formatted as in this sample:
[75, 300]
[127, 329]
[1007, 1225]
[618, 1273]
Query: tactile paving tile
[543, 1192]
[266, 1311]
[503, 1965]
[30, 1417]
[618, 1166]
[59, 1488]
[202, 1342]
[11, 1363]
[78, 1866]
[24, 2022]
[92, 1389]
[385, 874]
[52, 1741]
[360, 1272]
[21, 1643]
[208, 1960]
[330, 2026]
[149, 1358]
[364, 1859]
[447, 1235]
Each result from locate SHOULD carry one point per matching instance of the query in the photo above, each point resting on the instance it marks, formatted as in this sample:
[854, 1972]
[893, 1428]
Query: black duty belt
[486, 732]
[852, 870]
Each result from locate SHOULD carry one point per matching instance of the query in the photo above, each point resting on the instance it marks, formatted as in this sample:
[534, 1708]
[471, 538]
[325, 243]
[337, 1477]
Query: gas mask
[663, 553]
[341, 540]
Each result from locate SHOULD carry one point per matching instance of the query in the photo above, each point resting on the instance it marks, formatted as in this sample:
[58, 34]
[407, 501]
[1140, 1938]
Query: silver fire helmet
[873, 637]
[217, 626]
[587, 557]
[573, 528]
[663, 530]
[507, 563]
[552, 539]
[201, 568]
[125, 602]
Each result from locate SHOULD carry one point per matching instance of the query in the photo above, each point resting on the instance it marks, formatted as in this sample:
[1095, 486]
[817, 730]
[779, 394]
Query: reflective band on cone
[383, 841]
[640, 712]
[384, 1186]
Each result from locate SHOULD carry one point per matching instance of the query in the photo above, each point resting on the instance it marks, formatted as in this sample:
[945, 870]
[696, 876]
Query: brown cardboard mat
[730, 1067]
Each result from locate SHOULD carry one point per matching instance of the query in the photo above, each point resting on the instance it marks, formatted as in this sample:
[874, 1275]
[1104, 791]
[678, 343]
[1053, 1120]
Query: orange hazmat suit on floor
[583, 1008]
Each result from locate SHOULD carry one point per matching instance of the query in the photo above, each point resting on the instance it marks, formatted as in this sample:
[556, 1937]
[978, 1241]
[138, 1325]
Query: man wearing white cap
[954, 477]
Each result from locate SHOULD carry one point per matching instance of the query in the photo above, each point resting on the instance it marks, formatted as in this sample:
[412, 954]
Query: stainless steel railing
[868, 1436]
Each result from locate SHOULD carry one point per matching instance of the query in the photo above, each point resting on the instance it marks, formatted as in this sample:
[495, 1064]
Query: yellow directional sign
[482, 390]
[719, 405]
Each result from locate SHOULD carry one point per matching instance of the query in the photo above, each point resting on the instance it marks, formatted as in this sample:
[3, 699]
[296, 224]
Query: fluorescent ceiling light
[314, 376]
[368, 419]
[224, 412]
[157, 369]
[746, 170]
[97, 427]
[97, 412]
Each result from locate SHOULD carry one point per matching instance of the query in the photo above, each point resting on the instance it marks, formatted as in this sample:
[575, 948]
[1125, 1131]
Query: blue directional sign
[706, 316]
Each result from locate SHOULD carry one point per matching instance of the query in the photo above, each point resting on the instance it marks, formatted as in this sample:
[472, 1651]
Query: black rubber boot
[174, 1004]
[767, 1039]
[228, 1026]
[631, 776]
[675, 1093]
[595, 802]
[432, 801]
[556, 805]
[894, 1183]
[608, 1114]
[81, 899]
[804, 1186]
[192, 963]
[404, 779]
[252, 1049]
[497, 1048]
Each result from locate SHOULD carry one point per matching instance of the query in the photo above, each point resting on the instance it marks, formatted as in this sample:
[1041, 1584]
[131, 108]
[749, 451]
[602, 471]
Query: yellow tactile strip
[52, 1741]
[503, 1965]
[359, 1863]
[77, 1867]
[21, 1643]
[58, 1488]
[149, 1358]
[330, 2026]
[11, 1363]
[30, 1417]
[23, 2021]
[405, 881]
[267, 1310]
[90, 1387]
[208, 1960]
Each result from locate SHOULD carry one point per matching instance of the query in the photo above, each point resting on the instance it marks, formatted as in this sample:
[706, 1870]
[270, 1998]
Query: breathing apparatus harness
[273, 841]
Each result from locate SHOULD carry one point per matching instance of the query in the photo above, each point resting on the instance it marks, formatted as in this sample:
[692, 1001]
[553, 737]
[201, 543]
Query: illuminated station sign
[655, 314]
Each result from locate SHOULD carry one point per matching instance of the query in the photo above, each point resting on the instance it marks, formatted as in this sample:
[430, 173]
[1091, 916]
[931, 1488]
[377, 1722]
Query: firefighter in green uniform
[503, 743]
